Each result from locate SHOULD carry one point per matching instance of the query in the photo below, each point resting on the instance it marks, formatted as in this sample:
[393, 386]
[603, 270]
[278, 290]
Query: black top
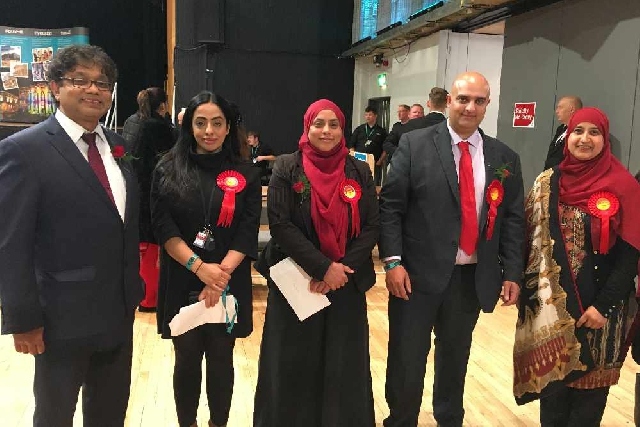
[131, 131]
[555, 154]
[367, 139]
[155, 138]
[391, 142]
[183, 216]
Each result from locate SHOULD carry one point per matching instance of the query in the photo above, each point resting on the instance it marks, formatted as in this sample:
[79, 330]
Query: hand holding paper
[198, 314]
[294, 284]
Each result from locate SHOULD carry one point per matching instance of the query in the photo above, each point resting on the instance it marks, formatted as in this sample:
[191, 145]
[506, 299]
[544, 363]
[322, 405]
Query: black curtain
[132, 32]
[278, 57]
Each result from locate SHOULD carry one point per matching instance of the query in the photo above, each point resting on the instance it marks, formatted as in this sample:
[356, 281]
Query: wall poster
[25, 57]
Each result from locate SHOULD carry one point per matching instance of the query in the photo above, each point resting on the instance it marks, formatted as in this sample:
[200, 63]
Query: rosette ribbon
[603, 205]
[231, 182]
[351, 192]
[495, 194]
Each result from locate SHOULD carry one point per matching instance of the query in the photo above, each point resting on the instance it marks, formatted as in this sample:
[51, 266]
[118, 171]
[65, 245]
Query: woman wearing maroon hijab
[323, 213]
[583, 237]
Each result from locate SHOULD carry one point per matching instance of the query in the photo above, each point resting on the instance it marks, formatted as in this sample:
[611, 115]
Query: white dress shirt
[479, 179]
[114, 174]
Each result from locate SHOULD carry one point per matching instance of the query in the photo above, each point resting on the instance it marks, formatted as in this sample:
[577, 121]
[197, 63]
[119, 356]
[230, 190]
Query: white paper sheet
[293, 282]
[198, 314]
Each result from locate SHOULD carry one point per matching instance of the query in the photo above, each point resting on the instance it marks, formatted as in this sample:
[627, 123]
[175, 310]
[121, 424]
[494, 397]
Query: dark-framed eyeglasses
[82, 83]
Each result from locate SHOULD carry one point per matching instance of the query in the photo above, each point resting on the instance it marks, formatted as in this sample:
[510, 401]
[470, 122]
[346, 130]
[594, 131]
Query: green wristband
[392, 264]
[191, 260]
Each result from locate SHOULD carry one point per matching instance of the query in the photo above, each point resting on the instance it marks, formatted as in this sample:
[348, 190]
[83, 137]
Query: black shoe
[143, 309]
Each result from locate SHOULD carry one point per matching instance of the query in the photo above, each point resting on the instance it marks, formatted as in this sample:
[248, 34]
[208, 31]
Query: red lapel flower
[119, 153]
[502, 172]
[302, 187]
[298, 187]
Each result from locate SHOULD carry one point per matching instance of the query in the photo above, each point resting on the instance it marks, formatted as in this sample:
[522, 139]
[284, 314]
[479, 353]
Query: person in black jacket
[205, 204]
[437, 104]
[155, 137]
[69, 248]
[567, 105]
[323, 213]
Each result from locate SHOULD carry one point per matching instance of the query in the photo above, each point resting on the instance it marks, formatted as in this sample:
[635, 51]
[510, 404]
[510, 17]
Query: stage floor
[488, 397]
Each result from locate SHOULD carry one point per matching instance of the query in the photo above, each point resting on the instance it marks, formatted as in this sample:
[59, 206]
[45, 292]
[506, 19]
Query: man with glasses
[69, 247]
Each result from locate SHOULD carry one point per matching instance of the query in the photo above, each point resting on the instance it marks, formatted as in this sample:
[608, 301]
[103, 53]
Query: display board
[25, 57]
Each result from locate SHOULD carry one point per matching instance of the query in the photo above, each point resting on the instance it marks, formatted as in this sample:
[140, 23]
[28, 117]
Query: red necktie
[95, 161]
[469, 231]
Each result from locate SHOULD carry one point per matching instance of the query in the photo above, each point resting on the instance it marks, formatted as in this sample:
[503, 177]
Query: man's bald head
[472, 77]
[468, 102]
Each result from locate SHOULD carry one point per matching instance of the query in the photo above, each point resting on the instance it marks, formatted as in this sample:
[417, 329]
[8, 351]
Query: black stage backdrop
[278, 57]
[132, 32]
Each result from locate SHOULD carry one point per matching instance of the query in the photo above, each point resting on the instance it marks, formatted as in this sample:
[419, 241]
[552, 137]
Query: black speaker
[209, 19]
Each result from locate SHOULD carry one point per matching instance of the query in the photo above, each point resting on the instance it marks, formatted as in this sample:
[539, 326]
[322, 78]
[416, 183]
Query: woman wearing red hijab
[323, 213]
[583, 237]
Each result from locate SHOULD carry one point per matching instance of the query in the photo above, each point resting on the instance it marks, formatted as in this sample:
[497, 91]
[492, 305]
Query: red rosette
[604, 205]
[231, 182]
[351, 192]
[495, 194]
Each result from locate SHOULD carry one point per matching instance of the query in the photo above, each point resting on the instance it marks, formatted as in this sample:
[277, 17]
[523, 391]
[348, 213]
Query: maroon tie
[95, 161]
[469, 231]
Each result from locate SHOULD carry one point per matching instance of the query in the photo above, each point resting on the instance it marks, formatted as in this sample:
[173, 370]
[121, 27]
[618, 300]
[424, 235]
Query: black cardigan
[182, 216]
[293, 233]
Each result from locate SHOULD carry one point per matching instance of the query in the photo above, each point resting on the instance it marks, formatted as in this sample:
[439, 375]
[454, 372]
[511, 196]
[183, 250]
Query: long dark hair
[177, 166]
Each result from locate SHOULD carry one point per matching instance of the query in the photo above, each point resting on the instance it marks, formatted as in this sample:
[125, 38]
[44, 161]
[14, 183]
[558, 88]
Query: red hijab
[580, 179]
[325, 171]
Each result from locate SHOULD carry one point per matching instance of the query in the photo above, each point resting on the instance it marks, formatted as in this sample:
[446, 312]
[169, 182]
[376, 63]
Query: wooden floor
[488, 398]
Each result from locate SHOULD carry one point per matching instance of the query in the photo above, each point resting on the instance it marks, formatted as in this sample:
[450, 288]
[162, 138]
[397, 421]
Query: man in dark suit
[69, 247]
[437, 104]
[567, 105]
[446, 254]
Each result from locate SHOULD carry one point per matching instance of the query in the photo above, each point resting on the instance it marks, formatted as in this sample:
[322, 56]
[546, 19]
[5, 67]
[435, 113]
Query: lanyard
[207, 211]
[368, 130]
[230, 322]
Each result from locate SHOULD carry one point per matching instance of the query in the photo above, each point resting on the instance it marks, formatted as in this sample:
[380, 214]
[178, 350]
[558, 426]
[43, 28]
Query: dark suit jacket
[420, 215]
[292, 229]
[391, 142]
[555, 154]
[68, 261]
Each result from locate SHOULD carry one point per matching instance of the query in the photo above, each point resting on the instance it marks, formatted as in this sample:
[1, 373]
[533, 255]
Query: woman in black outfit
[323, 213]
[206, 204]
[155, 137]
